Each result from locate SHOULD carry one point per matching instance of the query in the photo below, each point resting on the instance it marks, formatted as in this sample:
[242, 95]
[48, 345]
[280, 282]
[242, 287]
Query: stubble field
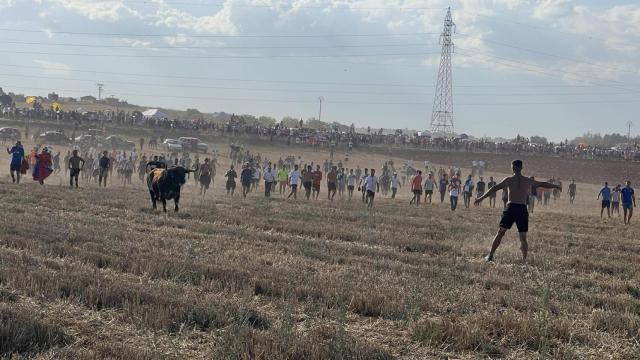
[94, 273]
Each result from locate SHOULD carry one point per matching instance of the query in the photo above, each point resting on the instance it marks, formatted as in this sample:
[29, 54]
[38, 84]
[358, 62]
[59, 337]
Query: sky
[554, 68]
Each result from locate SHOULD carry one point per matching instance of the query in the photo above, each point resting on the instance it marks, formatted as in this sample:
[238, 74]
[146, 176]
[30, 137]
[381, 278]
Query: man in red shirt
[317, 179]
[416, 187]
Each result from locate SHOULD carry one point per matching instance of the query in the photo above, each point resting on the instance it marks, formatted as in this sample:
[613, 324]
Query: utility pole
[321, 99]
[442, 113]
[100, 87]
[629, 125]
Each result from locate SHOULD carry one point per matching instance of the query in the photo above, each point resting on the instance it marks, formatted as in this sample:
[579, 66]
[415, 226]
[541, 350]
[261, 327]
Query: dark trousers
[267, 188]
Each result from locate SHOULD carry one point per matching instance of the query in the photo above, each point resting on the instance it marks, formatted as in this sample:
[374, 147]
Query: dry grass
[95, 274]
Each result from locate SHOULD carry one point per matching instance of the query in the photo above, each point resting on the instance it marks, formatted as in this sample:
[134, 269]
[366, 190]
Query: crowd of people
[331, 136]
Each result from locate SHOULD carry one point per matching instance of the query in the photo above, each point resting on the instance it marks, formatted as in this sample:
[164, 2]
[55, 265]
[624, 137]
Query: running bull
[165, 184]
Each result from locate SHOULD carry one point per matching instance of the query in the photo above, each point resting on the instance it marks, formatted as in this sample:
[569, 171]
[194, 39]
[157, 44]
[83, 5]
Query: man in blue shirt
[605, 192]
[246, 178]
[628, 202]
[17, 154]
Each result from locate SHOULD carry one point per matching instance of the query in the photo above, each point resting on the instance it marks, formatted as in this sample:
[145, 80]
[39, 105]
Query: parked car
[52, 137]
[193, 144]
[172, 145]
[88, 140]
[9, 133]
[117, 142]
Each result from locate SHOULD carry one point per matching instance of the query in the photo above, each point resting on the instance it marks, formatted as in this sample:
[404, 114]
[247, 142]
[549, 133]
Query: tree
[539, 140]
[289, 122]
[6, 100]
[193, 113]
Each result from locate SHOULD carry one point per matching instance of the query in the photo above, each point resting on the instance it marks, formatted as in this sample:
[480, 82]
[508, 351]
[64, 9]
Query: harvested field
[94, 273]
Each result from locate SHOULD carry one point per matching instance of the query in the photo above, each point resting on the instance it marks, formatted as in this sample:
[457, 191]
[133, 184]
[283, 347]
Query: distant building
[88, 98]
[68, 99]
[112, 101]
[53, 96]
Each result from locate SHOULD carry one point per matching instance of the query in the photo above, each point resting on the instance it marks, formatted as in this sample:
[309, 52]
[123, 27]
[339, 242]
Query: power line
[328, 6]
[551, 55]
[299, 81]
[311, 101]
[313, 91]
[218, 35]
[262, 56]
[209, 47]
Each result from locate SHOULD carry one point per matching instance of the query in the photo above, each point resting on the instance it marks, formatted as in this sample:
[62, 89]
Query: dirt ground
[95, 273]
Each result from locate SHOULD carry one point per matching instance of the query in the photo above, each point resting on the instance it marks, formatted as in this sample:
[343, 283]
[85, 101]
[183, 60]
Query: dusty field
[94, 273]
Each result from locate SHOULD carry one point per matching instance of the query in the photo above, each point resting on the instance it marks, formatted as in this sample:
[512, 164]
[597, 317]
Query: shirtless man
[519, 188]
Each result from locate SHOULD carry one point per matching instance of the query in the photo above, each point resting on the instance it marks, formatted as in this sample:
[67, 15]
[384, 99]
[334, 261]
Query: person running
[443, 184]
[352, 179]
[454, 192]
[205, 176]
[283, 179]
[605, 193]
[332, 183]
[307, 182]
[104, 165]
[492, 198]
[66, 161]
[363, 185]
[628, 202]
[342, 182]
[371, 185]
[615, 199]
[317, 180]
[43, 167]
[294, 181]
[429, 185]
[572, 192]
[231, 176]
[481, 187]
[468, 191]
[17, 155]
[416, 188]
[56, 163]
[269, 177]
[75, 165]
[395, 185]
[519, 188]
[246, 179]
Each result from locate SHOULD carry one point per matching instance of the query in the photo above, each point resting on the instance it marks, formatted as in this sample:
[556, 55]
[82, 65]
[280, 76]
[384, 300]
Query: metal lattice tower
[442, 115]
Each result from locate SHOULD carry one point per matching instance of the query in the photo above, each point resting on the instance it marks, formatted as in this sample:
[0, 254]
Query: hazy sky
[556, 68]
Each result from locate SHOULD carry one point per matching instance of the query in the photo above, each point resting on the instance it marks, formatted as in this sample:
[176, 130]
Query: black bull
[165, 184]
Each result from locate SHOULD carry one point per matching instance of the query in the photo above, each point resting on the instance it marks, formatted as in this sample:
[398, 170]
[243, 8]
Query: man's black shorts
[294, 187]
[231, 185]
[518, 214]
[74, 172]
[417, 192]
[15, 167]
[307, 185]
[331, 186]
[606, 204]
[350, 187]
[371, 194]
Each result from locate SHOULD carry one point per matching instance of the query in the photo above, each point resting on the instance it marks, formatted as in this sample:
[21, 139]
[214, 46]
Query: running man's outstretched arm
[493, 190]
[548, 185]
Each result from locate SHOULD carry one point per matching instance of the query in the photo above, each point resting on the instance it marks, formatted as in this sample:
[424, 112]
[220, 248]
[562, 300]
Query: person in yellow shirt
[283, 179]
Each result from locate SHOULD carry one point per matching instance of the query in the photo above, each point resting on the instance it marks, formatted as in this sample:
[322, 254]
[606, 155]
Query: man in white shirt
[294, 180]
[362, 187]
[371, 185]
[269, 178]
[468, 191]
[428, 187]
[352, 179]
[395, 184]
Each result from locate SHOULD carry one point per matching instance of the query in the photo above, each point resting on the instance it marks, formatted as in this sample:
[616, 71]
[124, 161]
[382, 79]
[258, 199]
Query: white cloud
[54, 68]
[220, 23]
[109, 10]
[550, 9]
